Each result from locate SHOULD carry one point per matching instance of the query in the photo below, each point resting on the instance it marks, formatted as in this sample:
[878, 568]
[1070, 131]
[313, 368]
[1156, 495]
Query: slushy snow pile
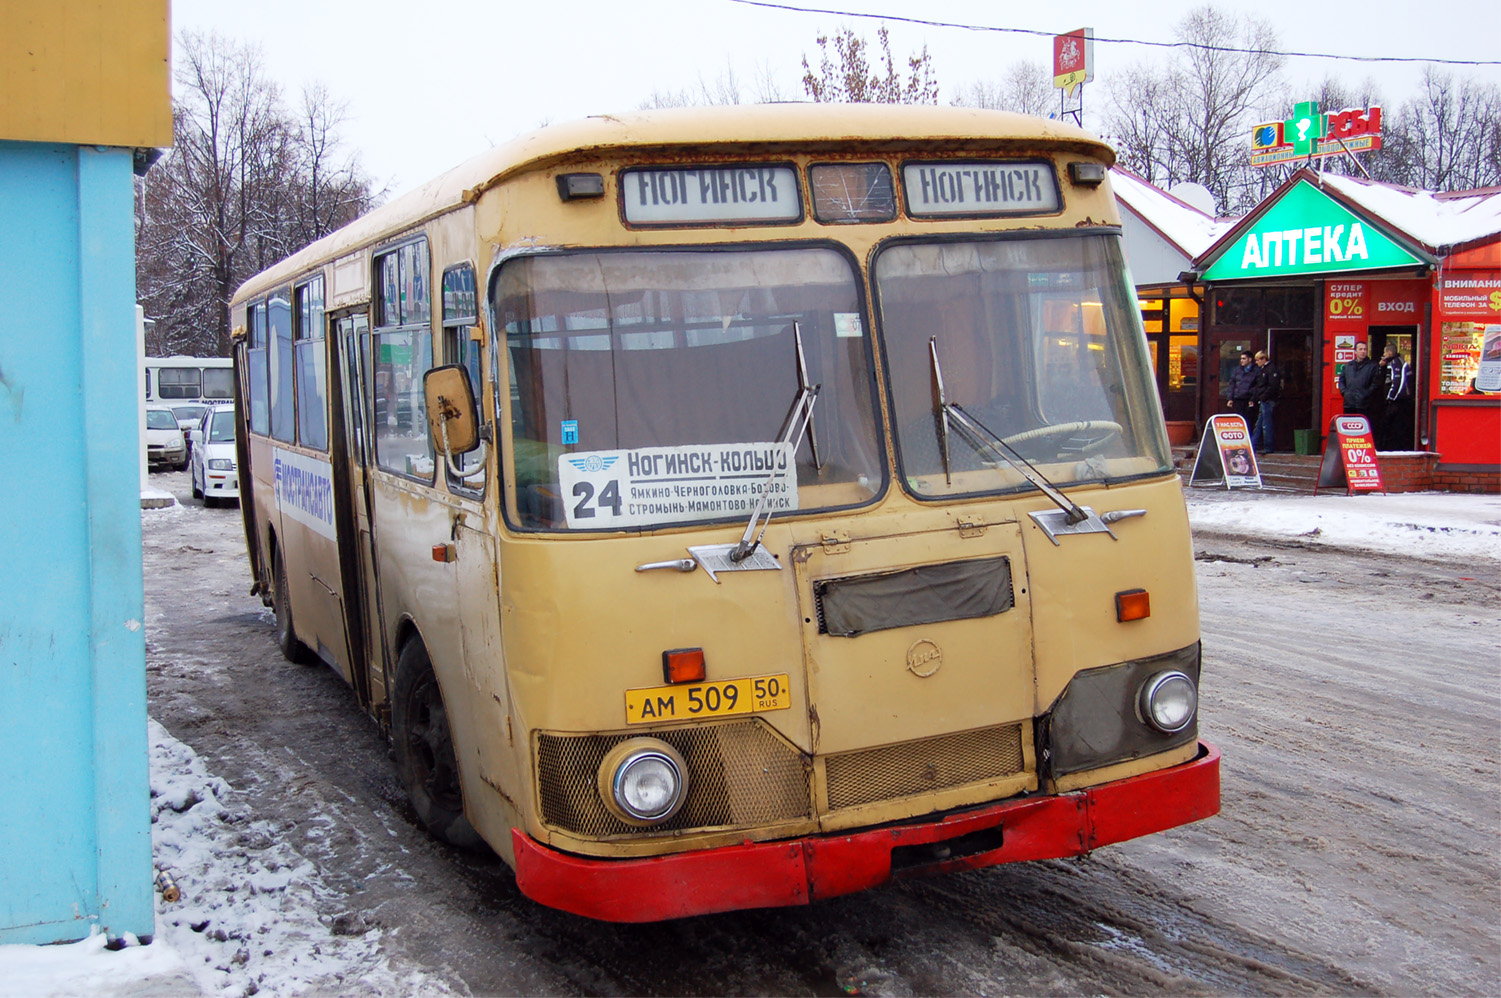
[254, 917]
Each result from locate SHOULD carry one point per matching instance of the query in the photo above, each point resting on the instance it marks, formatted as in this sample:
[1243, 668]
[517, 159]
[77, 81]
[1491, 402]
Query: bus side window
[403, 353]
[312, 375]
[279, 325]
[260, 411]
[460, 311]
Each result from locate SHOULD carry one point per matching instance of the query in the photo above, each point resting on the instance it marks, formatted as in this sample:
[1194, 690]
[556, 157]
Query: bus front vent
[742, 776]
[924, 766]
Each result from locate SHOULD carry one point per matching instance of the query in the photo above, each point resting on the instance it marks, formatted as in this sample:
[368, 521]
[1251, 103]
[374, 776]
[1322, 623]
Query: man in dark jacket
[1396, 419]
[1362, 382]
[1267, 391]
[1243, 388]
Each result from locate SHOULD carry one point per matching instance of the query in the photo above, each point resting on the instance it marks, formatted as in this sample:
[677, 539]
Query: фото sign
[1226, 454]
[1307, 232]
[1073, 59]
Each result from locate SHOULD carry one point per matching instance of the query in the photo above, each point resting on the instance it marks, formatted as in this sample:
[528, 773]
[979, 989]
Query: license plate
[683, 702]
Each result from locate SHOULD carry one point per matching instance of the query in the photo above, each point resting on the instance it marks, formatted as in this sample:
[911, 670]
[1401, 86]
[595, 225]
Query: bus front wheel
[423, 743]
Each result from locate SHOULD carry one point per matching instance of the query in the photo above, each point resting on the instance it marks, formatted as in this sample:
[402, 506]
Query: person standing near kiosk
[1361, 382]
[1396, 419]
[1267, 390]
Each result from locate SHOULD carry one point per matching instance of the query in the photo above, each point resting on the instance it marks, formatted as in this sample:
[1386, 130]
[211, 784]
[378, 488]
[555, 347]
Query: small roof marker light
[577, 186]
[1086, 173]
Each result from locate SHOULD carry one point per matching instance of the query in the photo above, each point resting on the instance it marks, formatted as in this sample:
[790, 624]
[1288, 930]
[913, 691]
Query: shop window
[1288, 308]
[1237, 307]
[1151, 314]
[312, 374]
[1182, 363]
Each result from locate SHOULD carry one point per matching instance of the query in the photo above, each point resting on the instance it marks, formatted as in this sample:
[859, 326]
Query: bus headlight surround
[643, 781]
[1169, 701]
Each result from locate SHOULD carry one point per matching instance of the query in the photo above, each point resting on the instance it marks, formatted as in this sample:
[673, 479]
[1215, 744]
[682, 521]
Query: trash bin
[1305, 441]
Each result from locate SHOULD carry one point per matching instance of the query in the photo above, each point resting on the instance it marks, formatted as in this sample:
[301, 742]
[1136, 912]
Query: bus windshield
[1037, 341]
[650, 388]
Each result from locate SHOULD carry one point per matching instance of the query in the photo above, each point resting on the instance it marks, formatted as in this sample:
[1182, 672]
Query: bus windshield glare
[674, 371]
[1038, 341]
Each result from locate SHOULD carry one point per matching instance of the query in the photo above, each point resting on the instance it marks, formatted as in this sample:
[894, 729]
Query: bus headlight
[643, 781]
[1168, 701]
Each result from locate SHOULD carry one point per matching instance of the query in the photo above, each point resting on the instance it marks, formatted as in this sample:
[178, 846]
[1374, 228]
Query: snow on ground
[1437, 525]
[254, 916]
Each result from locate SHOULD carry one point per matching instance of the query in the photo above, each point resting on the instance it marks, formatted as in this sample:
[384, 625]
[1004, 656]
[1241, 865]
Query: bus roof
[771, 129]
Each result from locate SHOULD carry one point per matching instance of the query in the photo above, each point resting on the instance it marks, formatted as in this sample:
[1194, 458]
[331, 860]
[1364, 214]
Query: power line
[1118, 41]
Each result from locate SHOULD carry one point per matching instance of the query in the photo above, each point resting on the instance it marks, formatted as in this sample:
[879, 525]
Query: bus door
[900, 649]
[350, 446]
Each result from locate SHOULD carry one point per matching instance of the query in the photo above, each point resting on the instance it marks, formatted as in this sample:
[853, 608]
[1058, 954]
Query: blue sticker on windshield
[570, 431]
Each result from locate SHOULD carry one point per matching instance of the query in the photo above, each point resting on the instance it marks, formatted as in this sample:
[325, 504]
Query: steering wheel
[1102, 430]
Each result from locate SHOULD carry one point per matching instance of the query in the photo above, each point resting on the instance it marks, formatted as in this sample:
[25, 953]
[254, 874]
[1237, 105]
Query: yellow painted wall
[85, 72]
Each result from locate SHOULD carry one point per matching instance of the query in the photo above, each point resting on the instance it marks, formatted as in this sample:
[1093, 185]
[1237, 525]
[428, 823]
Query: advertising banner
[1350, 457]
[1226, 455]
[304, 490]
[1472, 296]
[1345, 303]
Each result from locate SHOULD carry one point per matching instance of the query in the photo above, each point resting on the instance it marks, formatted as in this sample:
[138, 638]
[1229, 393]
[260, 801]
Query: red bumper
[797, 871]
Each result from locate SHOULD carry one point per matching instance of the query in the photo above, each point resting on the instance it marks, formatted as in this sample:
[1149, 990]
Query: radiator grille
[924, 766]
[741, 775]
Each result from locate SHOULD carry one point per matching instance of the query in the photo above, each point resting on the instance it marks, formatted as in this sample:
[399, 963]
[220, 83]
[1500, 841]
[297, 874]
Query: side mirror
[195, 435]
[451, 416]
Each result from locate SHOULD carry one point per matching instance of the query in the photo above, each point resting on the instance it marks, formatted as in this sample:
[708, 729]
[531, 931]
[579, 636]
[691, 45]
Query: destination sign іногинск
[655, 485]
[698, 195]
[993, 188]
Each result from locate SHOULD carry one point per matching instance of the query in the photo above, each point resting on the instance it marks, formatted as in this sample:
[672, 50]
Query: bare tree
[1026, 87]
[1446, 138]
[1187, 120]
[851, 79]
[244, 185]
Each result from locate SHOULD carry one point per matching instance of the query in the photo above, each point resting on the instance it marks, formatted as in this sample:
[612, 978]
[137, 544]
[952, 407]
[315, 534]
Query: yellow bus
[734, 508]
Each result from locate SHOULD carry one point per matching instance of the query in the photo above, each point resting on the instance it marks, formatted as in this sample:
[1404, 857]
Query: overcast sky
[432, 82]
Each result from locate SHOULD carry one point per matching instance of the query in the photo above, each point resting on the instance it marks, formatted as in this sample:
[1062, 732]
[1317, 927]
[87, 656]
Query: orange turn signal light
[1133, 604]
[683, 665]
[445, 553]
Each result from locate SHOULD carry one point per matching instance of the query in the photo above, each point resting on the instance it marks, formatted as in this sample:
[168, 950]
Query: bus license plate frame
[696, 701]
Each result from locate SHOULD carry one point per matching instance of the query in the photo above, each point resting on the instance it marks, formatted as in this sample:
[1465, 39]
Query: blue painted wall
[75, 827]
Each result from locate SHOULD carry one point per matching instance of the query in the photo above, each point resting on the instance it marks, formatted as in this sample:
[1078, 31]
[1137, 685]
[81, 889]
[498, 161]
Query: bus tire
[292, 649]
[423, 750]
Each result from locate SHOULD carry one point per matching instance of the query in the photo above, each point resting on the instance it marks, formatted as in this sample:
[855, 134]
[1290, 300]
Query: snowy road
[1356, 699]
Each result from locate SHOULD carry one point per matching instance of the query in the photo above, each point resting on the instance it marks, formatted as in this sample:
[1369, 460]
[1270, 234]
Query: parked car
[189, 415]
[215, 476]
[165, 443]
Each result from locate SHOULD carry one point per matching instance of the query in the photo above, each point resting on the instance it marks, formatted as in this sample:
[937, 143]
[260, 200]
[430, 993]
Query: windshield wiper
[948, 414]
[799, 421]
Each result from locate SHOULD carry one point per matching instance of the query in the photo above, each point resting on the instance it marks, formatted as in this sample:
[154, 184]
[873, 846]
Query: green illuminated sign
[1304, 129]
[1307, 232]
